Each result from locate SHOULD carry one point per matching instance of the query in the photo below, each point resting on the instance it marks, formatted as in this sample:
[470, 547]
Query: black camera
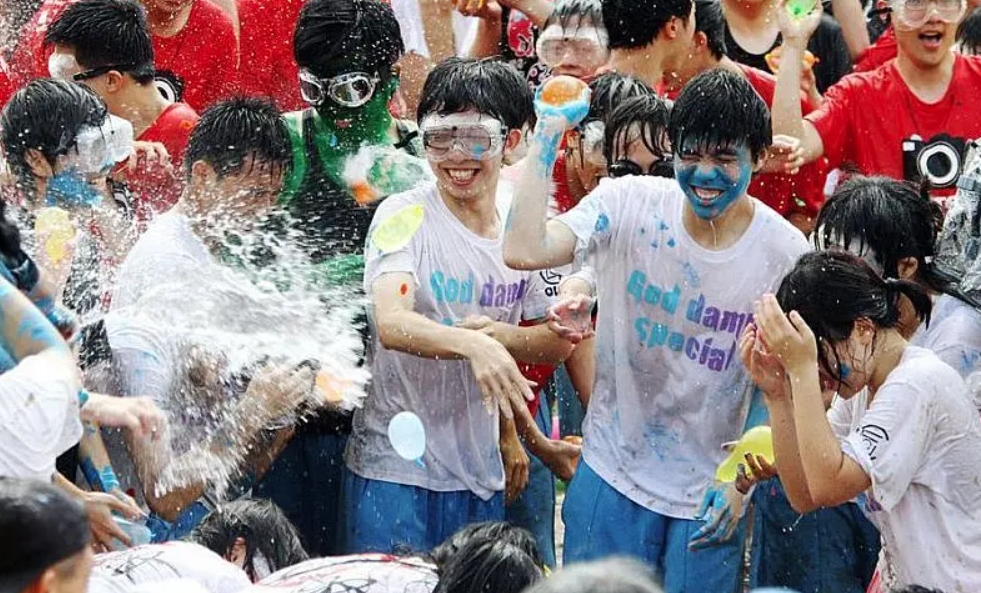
[939, 160]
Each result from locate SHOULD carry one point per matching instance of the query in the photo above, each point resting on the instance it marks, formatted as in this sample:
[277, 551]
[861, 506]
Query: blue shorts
[601, 522]
[395, 518]
[534, 509]
[833, 549]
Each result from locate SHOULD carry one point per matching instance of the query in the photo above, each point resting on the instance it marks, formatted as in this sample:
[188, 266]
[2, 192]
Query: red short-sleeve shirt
[872, 121]
[268, 68]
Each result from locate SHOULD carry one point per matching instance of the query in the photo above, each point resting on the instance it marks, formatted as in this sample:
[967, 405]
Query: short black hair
[107, 33]
[567, 11]
[337, 36]
[831, 290]
[969, 32]
[46, 115]
[41, 526]
[487, 531]
[636, 23]
[231, 131]
[485, 564]
[609, 90]
[720, 108]
[650, 114]
[262, 525]
[710, 21]
[490, 87]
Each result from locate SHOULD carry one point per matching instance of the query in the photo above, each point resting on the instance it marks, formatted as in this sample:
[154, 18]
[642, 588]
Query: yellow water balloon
[55, 225]
[756, 441]
[396, 232]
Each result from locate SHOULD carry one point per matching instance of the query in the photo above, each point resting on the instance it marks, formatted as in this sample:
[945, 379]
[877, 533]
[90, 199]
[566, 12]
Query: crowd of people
[360, 295]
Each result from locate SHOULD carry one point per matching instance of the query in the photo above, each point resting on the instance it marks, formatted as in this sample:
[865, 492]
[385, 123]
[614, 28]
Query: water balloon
[407, 435]
[396, 232]
[756, 441]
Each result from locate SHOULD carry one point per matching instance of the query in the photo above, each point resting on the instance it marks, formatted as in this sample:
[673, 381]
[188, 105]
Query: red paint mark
[403, 289]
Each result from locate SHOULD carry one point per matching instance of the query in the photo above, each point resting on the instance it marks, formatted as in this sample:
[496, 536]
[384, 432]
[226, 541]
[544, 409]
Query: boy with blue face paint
[679, 264]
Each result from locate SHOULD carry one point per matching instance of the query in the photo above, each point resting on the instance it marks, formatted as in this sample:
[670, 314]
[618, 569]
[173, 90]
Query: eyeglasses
[96, 72]
[916, 13]
[352, 89]
[553, 52]
[659, 168]
[479, 141]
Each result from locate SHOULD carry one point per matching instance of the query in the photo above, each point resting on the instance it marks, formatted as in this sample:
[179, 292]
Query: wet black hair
[719, 108]
[41, 527]
[609, 90]
[231, 131]
[969, 31]
[46, 115]
[647, 112]
[490, 87]
[710, 21]
[488, 531]
[636, 23]
[107, 33]
[567, 11]
[831, 290]
[485, 565]
[262, 525]
[337, 36]
[892, 220]
[620, 575]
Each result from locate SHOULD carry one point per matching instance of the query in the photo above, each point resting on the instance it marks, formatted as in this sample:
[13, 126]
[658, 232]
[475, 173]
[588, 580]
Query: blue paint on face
[69, 188]
[731, 177]
[844, 371]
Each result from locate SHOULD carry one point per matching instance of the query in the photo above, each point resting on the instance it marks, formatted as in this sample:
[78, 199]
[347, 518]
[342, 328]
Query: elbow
[802, 506]
[389, 333]
[168, 507]
[517, 261]
[561, 352]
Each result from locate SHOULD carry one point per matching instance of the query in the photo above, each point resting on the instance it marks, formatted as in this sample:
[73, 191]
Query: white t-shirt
[457, 274]
[122, 572]
[954, 336]
[670, 388]
[366, 573]
[38, 418]
[919, 442]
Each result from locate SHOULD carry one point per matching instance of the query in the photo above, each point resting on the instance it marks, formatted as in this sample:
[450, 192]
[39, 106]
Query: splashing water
[220, 325]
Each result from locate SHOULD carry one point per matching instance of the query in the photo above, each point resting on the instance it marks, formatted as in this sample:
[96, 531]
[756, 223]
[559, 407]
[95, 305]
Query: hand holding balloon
[561, 103]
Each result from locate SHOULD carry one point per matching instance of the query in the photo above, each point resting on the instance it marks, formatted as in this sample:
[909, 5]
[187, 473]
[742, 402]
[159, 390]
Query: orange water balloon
[560, 90]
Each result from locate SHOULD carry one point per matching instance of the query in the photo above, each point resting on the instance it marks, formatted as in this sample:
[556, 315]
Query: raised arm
[530, 241]
[788, 118]
[851, 18]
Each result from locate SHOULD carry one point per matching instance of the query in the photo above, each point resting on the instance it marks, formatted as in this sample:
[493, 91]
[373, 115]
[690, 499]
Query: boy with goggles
[346, 51]
[664, 253]
[444, 318]
[908, 120]
[574, 41]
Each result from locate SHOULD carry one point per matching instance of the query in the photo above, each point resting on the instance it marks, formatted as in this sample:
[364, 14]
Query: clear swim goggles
[586, 46]
[352, 89]
[96, 150]
[913, 14]
[477, 138]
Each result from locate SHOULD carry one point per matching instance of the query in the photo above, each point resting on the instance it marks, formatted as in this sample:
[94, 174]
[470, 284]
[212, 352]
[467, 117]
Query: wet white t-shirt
[919, 442]
[456, 274]
[39, 418]
[125, 571]
[365, 573]
[954, 336]
[670, 388]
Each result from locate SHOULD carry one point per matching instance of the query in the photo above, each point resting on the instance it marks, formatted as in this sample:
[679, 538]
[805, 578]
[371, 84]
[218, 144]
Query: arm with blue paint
[531, 242]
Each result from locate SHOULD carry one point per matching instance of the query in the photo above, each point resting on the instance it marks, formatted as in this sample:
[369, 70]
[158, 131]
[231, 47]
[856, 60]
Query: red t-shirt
[268, 68]
[787, 194]
[873, 121]
[877, 54]
[6, 85]
[154, 190]
[202, 56]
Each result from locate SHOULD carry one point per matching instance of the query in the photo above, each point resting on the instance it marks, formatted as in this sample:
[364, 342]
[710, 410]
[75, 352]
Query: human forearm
[487, 41]
[409, 332]
[851, 18]
[530, 242]
[537, 11]
[94, 461]
[532, 344]
[787, 455]
[24, 330]
[788, 118]
[437, 22]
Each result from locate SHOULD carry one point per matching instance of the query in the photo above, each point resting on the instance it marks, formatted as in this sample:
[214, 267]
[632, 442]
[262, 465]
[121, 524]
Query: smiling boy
[678, 265]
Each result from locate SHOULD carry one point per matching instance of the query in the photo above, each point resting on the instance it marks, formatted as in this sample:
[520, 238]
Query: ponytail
[922, 303]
